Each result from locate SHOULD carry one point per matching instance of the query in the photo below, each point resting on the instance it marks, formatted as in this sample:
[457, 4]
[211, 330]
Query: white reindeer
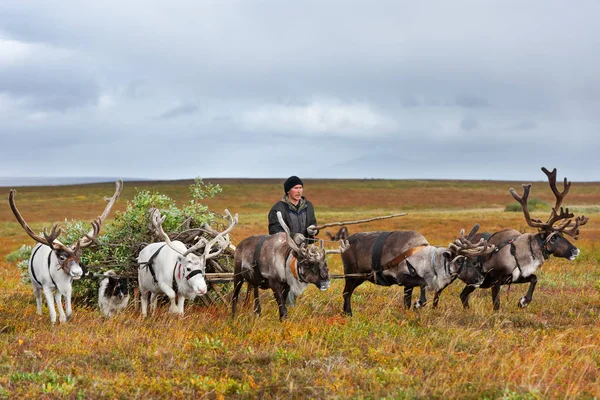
[52, 265]
[175, 270]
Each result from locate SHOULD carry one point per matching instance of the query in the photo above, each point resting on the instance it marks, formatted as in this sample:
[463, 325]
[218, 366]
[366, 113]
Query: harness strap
[49, 272]
[293, 267]
[174, 285]
[32, 270]
[513, 251]
[150, 261]
[257, 249]
[398, 259]
[376, 266]
[542, 244]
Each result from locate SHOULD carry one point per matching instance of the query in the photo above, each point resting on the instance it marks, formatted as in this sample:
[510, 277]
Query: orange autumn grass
[549, 350]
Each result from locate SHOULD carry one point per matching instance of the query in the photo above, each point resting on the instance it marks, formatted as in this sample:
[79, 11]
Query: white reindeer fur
[164, 265]
[110, 305]
[45, 275]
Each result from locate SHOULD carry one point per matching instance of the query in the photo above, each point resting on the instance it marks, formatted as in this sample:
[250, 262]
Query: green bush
[533, 205]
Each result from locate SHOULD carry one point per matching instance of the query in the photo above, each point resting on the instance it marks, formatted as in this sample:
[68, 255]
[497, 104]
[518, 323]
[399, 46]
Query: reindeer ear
[447, 255]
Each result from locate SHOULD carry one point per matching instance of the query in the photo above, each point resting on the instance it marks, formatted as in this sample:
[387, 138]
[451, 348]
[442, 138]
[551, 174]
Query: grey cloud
[524, 126]
[468, 101]
[469, 124]
[49, 89]
[136, 89]
[178, 111]
[409, 102]
[158, 53]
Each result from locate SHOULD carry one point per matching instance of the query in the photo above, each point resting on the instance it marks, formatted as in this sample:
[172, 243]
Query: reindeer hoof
[524, 302]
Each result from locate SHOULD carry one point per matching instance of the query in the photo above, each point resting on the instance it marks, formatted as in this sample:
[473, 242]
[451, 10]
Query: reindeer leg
[351, 284]
[168, 290]
[464, 295]
[50, 302]
[436, 298]
[238, 282]
[153, 301]
[278, 290]
[38, 299]
[180, 301]
[408, 291]
[525, 300]
[422, 298]
[144, 301]
[257, 308]
[61, 312]
[496, 296]
[68, 304]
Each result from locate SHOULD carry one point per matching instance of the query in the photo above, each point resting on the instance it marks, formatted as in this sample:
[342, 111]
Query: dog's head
[116, 286]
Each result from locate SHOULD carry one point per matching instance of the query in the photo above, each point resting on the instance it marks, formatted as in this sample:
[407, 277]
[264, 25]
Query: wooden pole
[360, 221]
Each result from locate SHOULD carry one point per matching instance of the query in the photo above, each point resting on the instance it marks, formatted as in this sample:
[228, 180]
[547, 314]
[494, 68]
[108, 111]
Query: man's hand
[312, 231]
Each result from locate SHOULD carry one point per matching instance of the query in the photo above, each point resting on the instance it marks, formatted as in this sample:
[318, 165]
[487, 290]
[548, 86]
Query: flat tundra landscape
[549, 349]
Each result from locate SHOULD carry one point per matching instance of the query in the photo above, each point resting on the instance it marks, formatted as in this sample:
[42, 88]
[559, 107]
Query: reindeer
[406, 258]
[342, 234]
[518, 256]
[278, 262]
[175, 270]
[53, 266]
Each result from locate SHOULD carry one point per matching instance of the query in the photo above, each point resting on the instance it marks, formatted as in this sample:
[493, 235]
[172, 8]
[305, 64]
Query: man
[298, 213]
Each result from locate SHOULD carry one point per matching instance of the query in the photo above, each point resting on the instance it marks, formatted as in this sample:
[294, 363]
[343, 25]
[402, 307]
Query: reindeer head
[551, 233]
[69, 257]
[463, 256]
[191, 267]
[311, 261]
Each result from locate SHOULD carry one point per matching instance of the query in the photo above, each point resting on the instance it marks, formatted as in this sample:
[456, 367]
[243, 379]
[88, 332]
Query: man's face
[295, 193]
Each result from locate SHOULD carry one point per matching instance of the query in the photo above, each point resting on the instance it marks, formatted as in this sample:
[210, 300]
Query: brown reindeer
[280, 263]
[342, 234]
[405, 258]
[518, 256]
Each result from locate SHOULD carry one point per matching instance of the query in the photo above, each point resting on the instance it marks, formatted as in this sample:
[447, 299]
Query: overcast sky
[362, 89]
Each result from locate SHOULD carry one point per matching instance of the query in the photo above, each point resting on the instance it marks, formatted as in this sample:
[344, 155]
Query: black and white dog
[113, 294]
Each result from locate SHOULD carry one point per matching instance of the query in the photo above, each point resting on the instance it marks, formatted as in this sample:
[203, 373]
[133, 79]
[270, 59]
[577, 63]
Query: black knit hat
[291, 182]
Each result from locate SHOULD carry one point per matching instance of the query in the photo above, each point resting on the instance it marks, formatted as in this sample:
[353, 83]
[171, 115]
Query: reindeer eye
[188, 269]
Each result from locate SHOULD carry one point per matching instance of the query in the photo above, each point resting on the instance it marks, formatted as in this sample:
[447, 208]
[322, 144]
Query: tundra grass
[548, 350]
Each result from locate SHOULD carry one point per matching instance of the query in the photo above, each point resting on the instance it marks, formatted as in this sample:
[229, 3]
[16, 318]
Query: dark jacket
[297, 218]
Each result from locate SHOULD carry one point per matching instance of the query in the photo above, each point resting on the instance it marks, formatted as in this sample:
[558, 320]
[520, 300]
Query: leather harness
[378, 269]
[150, 261]
[174, 281]
[33, 270]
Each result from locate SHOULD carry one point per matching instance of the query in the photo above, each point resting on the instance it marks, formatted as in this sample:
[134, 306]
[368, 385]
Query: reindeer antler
[288, 235]
[344, 245]
[463, 245]
[91, 236]
[222, 238]
[49, 239]
[157, 221]
[557, 214]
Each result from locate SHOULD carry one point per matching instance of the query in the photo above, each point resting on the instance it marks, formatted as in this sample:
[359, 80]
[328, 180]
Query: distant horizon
[33, 181]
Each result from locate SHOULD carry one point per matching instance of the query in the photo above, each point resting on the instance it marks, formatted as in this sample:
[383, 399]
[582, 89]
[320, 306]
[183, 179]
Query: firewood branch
[360, 221]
